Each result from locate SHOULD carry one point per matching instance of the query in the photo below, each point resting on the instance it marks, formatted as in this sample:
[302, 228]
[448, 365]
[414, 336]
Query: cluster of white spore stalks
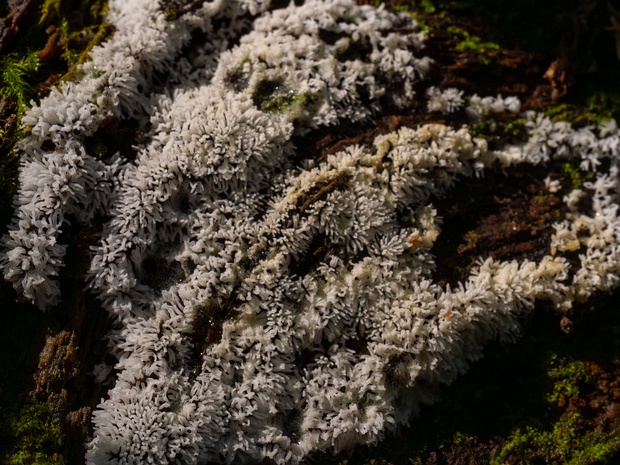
[315, 276]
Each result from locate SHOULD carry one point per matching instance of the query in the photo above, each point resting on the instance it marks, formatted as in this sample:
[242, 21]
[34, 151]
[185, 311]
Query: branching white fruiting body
[314, 354]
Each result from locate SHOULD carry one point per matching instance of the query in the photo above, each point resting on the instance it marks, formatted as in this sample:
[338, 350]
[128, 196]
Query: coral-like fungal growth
[267, 307]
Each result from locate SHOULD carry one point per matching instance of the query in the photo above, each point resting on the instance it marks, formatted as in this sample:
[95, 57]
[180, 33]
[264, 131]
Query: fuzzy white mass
[215, 218]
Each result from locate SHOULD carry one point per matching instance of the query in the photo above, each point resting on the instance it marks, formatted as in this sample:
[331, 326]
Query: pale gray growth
[312, 281]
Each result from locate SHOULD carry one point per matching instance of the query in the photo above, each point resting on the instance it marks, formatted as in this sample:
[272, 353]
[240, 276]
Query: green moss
[467, 42]
[423, 6]
[599, 108]
[427, 6]
[272, 96]
[33, 436]
[45, 50]
[493, 130]
[481, 130]
[563, 444]
[22, 68]
[80, 55]
[574, 114]
[417, 9]
[577, 176]
[16, 78]
[275, 97]
[603, 106]
[528, 24]
[461, 438]
[83, 12]
[486, 129]
[409, 6]
[50, 10]
[17, 73]
[568, 376]
[418, 12]
[565, 441]
[171, 14]
[515, 128]
[77, 44]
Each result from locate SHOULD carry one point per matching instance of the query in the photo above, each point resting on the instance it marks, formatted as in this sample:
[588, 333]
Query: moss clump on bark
[571, 440]
[48, 39]
[32, 435]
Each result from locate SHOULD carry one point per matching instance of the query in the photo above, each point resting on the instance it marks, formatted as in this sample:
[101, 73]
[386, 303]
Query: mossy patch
[44, 50]
[567, 377]
[509, 399]
[568, 441]
[596, 109]
[563, 444]
[499, 131]
[577, 176]
[418, 10]
[16, 74]
[272, 96]
[32, 435]
[277, 97]
[466, 42]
